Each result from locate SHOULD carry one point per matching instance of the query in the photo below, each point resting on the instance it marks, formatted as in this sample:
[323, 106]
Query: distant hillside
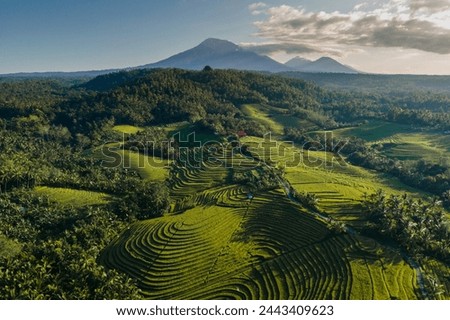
[322, 65]
[376, 82]
[211, 98]
[57, 74]
[219, 54]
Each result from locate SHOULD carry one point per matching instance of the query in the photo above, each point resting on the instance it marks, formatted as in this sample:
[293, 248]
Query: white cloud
[407, 24]
[257, 5]
[257, 8]
[360, 6]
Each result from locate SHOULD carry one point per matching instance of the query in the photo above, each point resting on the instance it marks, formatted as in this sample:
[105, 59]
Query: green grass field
[432, 147]
[276, 119]
[127, 129]
[263, 116]
[289, 121]
[401, 141]
[73, 197]
[217, 244]
[148, 167]
[381, 275]
[339, 186]
[373, 131]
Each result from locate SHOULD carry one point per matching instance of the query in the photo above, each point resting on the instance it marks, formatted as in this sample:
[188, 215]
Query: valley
[221, 184]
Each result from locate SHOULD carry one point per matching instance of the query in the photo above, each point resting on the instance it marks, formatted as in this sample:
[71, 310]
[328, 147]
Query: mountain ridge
[321, 65]
[297, 62]
[220, 54]
[216, 53]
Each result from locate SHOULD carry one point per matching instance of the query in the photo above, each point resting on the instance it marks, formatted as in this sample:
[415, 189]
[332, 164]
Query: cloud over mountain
[407, 24]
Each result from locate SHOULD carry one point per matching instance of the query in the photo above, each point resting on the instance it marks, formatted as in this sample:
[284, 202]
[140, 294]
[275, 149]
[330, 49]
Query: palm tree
[433, 287]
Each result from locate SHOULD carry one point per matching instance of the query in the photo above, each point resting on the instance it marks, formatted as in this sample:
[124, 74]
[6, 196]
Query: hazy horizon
[387, 37]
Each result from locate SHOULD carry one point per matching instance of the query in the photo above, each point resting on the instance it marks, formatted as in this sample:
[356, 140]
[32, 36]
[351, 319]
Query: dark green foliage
[58, 270]
[60, 246]
[446, 198]
[417, 226]
[430, 177]
[22, 98]
[228, 125]
[322, 142]
[151, 141]
[308, 200]
[145, 200]
[113, 80]
[167, 96]
[9, 248]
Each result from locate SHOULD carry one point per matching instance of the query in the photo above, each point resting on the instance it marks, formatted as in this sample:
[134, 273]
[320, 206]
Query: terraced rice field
[380, 275]
[216, 252]
[276, 119]
[149, 168]
[415, 146]
[73, 197]
[374, 131]
[339, 186]
[402, 142]
[219, 244]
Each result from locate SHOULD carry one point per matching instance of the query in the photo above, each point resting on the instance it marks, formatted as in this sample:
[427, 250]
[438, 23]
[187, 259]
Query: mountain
[216, 53]
[322, 65]
[219, 54]
[297, 63]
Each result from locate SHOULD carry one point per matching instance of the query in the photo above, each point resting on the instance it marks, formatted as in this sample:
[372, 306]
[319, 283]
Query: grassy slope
[373, 131]
[263, 116]
[401, 141]
[73, 197]
[149, 168]
[127, 129]
[275, 119]
[339, 186]
[227, 247]
[432, 147]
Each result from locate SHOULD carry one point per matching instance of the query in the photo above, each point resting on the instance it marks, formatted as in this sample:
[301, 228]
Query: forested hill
[149, 97]
[213, 98]
[380, 83]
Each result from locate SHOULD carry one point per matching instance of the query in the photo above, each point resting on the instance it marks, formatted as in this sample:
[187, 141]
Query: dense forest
[49, 127]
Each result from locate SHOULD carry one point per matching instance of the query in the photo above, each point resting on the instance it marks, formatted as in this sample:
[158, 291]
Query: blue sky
[73, 35]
